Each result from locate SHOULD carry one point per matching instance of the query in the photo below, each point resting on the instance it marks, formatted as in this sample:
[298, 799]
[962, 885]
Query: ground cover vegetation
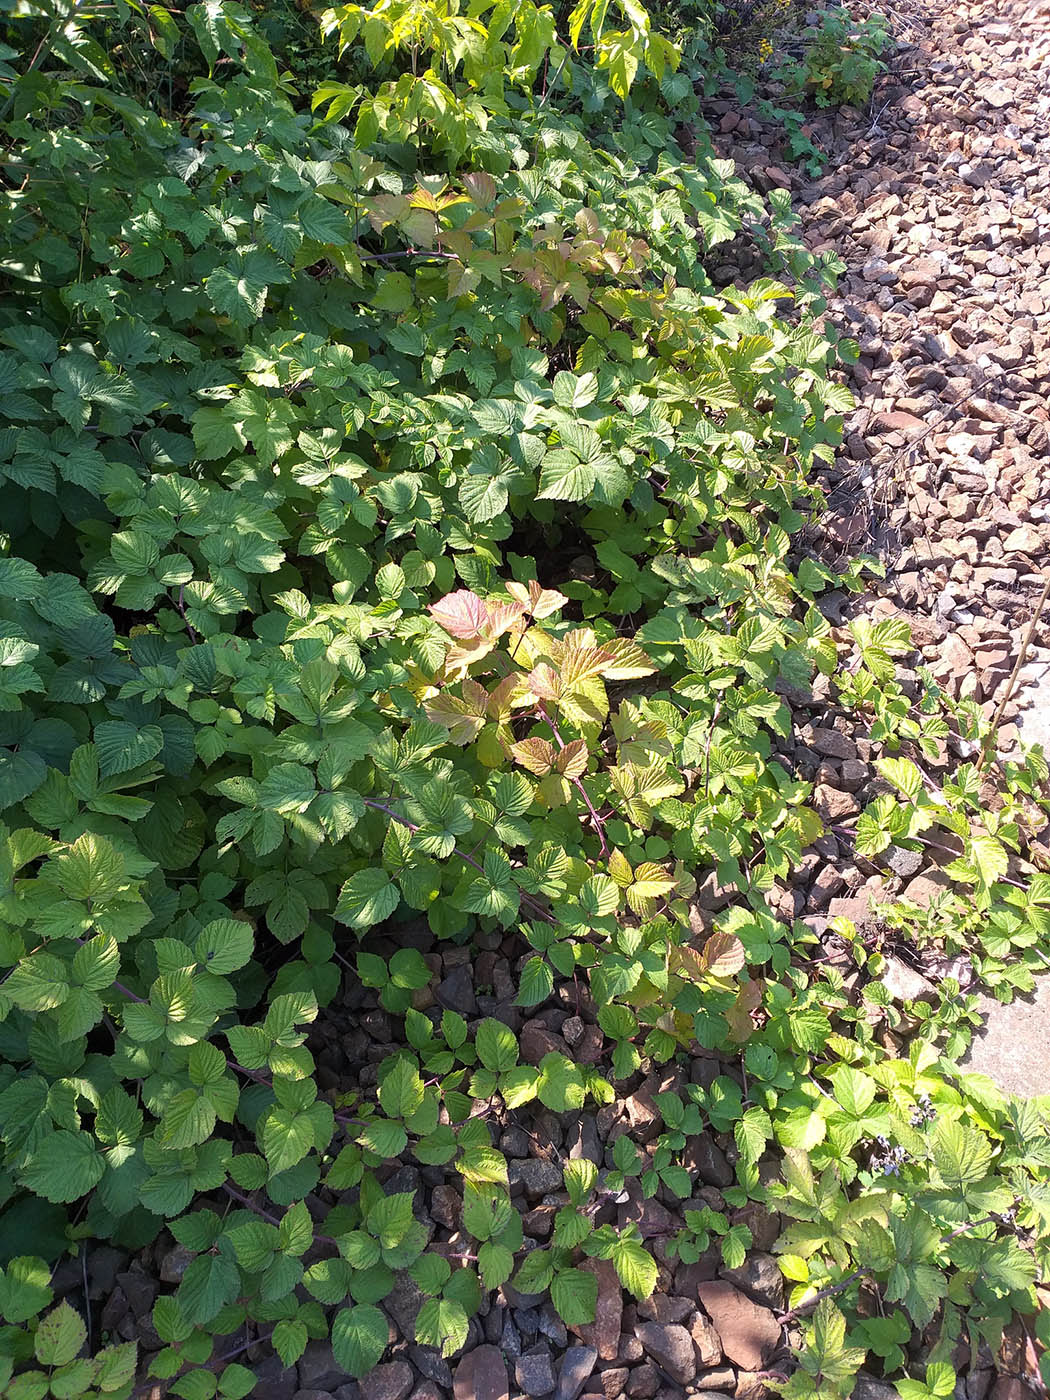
[316, 395]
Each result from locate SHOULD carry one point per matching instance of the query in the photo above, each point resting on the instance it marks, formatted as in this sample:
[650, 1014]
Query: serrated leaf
[60, 1336]
[65, 1167]
[497, 1046]
[442, 1323]
[359, 1338]
[367, 898]
[635, 1267]
[401, 1089]
[121, 746]
[574, 1293]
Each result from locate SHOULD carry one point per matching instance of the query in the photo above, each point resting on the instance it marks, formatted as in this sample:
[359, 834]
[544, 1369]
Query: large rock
[539, 1178]
[318, 1368]
[391, 1381]
[456, 991]
[749, 1333]
[671, 1347]
[926, 888]
[534, 1372]
[868, 1388]
[760, 1278]
[482, 1375]
[1013, 1047]
[603, 1334]
[576, 1367]
[706, 1340]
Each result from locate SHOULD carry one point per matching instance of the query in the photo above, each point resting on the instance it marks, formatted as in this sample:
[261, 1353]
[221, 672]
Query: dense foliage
[396, 536]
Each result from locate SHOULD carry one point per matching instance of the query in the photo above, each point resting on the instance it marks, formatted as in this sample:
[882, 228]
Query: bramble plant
[841, 59]
[314, 410]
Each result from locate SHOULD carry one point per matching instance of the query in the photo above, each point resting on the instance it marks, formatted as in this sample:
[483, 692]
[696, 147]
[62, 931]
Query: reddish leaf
[462, 614]
[748, 1000]
[572, 761]
[537, 755]
[542, 681]
[481, 186]
[724, 955]
[454, 714]
[688, 962]
[501, 616]
[501, 701]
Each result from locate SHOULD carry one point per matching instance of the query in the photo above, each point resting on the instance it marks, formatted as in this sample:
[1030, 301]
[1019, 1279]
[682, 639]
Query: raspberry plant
[310, 420]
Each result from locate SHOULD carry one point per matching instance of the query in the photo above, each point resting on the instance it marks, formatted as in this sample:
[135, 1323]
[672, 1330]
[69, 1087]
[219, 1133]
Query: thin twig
[87, 1295]
[1022, 656]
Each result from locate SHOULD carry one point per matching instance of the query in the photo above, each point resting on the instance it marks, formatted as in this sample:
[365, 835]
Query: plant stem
[828, 1292]
[1022, 656]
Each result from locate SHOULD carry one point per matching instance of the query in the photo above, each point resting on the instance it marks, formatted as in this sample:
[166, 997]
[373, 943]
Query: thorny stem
[577, 783]
[834, 1288]
[1008, 690]
[154, 1385]
[249, 1205]
[707, 747]
[265, 1214]
[828, 1292]
[428, 253]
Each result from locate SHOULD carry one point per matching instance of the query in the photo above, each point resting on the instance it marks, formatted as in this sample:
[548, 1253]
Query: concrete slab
[1013, 1047]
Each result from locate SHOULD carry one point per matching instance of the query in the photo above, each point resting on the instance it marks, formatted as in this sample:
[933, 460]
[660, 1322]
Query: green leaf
[209, 1283]
[289, 1339]
[497, 1046]
[188, 1119]
[535, 984]
[574, 1293]
[65, 1167]
[401, 1089]
[383, 1137]
[442, 1323]
[962, 1155]
[564, 477]
[25, 1288]
[224, 945]
[390, 1218]
[496, 1263]
[60, 1336]
[115, 1367]
[236, 1381]
[359, 1338]
[367, 898]
[121, 746]
[635, 1266]
[580, 1178]
[536, 1273]
[286, 1138]
[560, 1086]
[296, 1230]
